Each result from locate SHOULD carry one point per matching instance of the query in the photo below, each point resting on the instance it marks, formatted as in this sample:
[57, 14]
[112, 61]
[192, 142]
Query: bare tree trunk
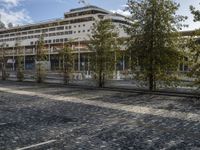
[100, 79]
[151, 52]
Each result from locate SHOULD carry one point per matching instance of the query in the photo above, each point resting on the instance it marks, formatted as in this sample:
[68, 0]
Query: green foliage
[153, 43]
[194, 47]
[193, 44]
[196, 13]
[41, 57]
[104, 45]
[66, 57]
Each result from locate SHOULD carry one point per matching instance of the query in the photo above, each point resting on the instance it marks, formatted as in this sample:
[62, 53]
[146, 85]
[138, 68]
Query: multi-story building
[77, 25]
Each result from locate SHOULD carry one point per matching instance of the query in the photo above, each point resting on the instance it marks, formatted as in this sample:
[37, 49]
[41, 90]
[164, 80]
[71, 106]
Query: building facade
[76, 25]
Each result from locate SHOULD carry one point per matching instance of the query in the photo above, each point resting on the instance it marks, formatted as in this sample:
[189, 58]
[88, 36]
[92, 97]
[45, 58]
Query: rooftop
[87, 7]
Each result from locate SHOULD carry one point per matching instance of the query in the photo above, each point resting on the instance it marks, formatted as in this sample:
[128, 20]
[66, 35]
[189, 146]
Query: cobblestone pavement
[59, 118]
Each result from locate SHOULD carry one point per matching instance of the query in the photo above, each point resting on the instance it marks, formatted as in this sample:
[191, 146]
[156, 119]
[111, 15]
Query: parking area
[54, 117]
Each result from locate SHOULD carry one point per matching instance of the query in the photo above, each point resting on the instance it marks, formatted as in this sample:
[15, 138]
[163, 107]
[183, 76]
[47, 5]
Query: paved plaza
[55, 117]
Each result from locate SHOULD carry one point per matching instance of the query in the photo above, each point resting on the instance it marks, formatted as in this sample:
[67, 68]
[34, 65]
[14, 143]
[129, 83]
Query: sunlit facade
[76, 25]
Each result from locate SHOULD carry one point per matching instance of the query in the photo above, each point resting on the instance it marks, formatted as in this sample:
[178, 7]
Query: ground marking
[36, 145]
[116, 106]
[2, 124]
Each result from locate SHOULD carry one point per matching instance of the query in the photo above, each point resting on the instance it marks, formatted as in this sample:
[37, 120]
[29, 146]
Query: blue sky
[27, 11]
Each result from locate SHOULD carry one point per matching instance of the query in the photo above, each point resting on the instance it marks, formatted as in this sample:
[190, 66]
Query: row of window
[45, 35]
[42, 31]
[49, 26]
[51, 41]
[37, 31]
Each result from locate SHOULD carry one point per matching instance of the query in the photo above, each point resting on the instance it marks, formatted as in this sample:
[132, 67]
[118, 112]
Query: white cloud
[12, 2]
[122, 12]
[11, 12]
[15, 17]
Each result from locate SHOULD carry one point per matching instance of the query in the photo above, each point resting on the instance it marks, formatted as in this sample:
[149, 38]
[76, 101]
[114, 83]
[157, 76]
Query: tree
[10, 25]
[103, 43]
[66, 56]
[2, 25]
[40, 60]
[194, 49]
[153, 42]
[20, 66]
[3, 62]
[193, 44]
[196, 13]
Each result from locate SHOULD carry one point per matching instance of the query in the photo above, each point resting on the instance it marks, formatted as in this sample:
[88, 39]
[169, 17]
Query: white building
[76, 24]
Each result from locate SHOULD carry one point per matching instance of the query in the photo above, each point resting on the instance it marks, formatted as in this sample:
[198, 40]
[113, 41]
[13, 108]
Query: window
[57, 40]
[66, 39]
[88, 30]
[79, 25]
[70, 27]
[84, 25]
[83, 30]
[74, 32]
[52, 34]
[79, 31]
[52, 29]
[37, 36]
[30, 32]
[74, 26]
[66, 27]
[60, 28]
[49, 41]
[31, 43]
[24, 33]
[44, 30]
[37, 31]
[61, 40]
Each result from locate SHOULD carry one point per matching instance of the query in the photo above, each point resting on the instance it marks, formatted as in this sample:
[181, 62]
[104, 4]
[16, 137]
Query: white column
[63, 62]
[24, 58]
[79, 57]
[49, 57]
[73, 58]
[88, 64]
[13, 64]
